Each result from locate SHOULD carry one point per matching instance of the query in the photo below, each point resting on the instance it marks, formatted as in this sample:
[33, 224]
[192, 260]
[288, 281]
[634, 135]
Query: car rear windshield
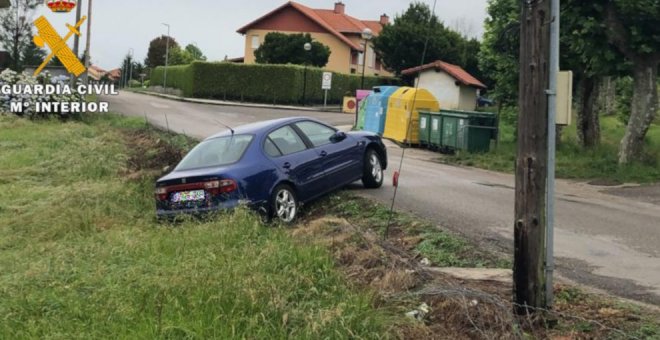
[216, 152]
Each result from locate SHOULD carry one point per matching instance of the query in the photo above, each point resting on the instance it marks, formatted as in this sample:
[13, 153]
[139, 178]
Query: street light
[307, 47]
[167, 56]
[367, 35]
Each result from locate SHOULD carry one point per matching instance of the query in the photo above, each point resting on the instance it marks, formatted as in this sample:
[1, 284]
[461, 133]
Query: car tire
[372, 176]
[284, 204]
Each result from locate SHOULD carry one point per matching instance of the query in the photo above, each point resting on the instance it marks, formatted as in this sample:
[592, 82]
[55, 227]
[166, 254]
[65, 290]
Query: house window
[361, 58]
[378, 65]
[354, 57]
[353, 71]
[255, 41]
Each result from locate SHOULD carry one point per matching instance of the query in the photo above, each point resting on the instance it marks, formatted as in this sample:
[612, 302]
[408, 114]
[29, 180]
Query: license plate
[188, 196]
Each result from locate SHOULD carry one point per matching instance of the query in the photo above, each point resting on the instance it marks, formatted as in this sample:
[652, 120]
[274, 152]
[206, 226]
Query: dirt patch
[149, 154]
[460, 306]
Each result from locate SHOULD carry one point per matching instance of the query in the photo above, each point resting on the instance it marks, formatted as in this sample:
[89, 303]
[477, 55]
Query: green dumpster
[462, 130]
[435, 135]
[424, 128]
[485, 119]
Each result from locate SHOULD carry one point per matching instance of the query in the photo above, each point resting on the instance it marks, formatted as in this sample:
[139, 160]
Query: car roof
[260, 127]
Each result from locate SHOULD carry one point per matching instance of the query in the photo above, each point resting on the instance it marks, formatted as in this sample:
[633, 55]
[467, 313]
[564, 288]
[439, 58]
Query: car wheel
[284, 204]
[372, 176]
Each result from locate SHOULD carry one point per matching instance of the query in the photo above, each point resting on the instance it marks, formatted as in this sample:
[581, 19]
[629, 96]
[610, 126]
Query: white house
[454, 88]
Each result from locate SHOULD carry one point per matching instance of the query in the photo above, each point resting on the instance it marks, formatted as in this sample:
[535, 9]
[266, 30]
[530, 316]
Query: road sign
[327, 81]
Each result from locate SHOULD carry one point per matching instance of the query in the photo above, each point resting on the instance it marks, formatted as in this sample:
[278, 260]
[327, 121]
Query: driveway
[604, 239]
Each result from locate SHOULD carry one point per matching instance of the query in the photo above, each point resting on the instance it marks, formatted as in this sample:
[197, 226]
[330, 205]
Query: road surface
[605, 238]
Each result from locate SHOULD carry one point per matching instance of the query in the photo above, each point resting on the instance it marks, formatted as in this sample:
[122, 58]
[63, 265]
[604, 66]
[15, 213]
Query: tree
[401, 44]
[633, 27]
[195, 52]
[179, 56]
[157, 50]
[16, 29]
[280, 48]
[32, 55]
[500, 48]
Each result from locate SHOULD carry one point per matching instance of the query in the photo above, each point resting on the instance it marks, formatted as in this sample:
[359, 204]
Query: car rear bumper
[227, 205]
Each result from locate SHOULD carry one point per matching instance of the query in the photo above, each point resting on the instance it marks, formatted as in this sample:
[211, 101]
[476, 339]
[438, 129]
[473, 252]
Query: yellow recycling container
[407, 101]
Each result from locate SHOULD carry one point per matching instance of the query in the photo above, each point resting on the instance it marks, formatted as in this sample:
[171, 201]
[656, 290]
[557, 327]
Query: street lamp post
[167, 57]
[307, 47]
[367, 35]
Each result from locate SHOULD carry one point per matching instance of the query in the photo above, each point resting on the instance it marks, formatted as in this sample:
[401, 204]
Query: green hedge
[180, 77]
[272, 84]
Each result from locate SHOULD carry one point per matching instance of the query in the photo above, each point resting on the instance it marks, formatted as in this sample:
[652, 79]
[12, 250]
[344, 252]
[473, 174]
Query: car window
[216, 152]
[318, 134]
[271, 149]
[287, 140]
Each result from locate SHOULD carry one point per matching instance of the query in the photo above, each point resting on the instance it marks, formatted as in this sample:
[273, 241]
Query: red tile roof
[335, 23]
[453, 70]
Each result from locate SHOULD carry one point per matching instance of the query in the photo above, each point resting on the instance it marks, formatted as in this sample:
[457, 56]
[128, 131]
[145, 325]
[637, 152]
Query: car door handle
[323, 153]
[287, 165]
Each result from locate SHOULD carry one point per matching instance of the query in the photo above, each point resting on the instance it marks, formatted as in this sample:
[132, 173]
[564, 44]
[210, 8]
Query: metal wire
[412, 108]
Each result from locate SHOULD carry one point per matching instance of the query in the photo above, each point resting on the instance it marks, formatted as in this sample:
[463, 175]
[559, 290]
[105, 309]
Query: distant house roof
[238, 60]
[453, 70]
[336, 22]
[114, 74]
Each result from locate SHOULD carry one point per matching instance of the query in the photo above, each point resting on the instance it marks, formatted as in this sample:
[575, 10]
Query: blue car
[271, 166]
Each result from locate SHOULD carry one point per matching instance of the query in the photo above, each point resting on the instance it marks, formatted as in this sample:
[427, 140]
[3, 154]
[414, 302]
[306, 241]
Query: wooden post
[531, 165]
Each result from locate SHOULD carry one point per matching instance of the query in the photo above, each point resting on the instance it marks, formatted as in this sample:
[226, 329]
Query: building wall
[468, 98]
[340, 56]
[291, 21]
[443, 87]
[371, 59]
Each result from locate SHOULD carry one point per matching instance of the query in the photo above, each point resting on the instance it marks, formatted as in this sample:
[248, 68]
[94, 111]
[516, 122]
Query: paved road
[611, 242]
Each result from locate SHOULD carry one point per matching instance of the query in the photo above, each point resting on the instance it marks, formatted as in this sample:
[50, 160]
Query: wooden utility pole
[531, 165]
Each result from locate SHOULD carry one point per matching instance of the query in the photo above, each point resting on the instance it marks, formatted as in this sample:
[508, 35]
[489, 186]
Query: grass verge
[83, 257]
[573, 162]
[459, 305]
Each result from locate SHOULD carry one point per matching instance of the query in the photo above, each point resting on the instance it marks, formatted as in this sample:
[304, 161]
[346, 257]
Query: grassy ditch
[459, 306]
[83, 257]
[573, 162]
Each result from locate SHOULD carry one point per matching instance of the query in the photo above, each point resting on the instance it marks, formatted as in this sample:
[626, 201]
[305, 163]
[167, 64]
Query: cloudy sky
[118, 25]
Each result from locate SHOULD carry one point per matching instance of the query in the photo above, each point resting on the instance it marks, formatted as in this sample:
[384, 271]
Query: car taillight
[161, 194]
[221, 186]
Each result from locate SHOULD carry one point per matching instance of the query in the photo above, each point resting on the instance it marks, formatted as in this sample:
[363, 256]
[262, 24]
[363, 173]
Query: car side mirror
[338, 137]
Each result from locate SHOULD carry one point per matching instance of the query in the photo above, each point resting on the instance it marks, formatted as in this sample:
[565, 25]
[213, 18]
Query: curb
[227, 103]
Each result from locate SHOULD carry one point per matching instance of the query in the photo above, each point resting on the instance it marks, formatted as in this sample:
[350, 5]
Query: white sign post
[326, 85]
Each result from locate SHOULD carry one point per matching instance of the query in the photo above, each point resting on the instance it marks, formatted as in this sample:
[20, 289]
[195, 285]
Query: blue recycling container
[376, 108]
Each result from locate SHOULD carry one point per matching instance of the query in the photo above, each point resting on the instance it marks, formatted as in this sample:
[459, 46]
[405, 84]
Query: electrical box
[564, 98]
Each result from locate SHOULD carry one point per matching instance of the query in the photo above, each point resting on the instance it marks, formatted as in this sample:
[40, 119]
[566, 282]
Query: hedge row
[272, 84]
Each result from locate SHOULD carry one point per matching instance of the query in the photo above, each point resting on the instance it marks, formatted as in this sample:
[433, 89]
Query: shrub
[9, 77]
[272, 84]
[179, 77]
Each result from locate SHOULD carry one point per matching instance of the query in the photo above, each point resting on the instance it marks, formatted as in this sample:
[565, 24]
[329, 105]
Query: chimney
[340, 7]
[384, 19]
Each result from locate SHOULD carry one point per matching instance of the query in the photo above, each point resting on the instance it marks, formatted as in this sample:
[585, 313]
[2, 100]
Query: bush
[179, 77]
[134, 83]
[9, 77]
[272, 84]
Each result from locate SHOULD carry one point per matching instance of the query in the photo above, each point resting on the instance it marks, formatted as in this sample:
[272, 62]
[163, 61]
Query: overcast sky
[119, 25]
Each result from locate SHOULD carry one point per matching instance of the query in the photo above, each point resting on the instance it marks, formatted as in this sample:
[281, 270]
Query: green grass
[82, 256]
[442, 247]
[574, 162]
